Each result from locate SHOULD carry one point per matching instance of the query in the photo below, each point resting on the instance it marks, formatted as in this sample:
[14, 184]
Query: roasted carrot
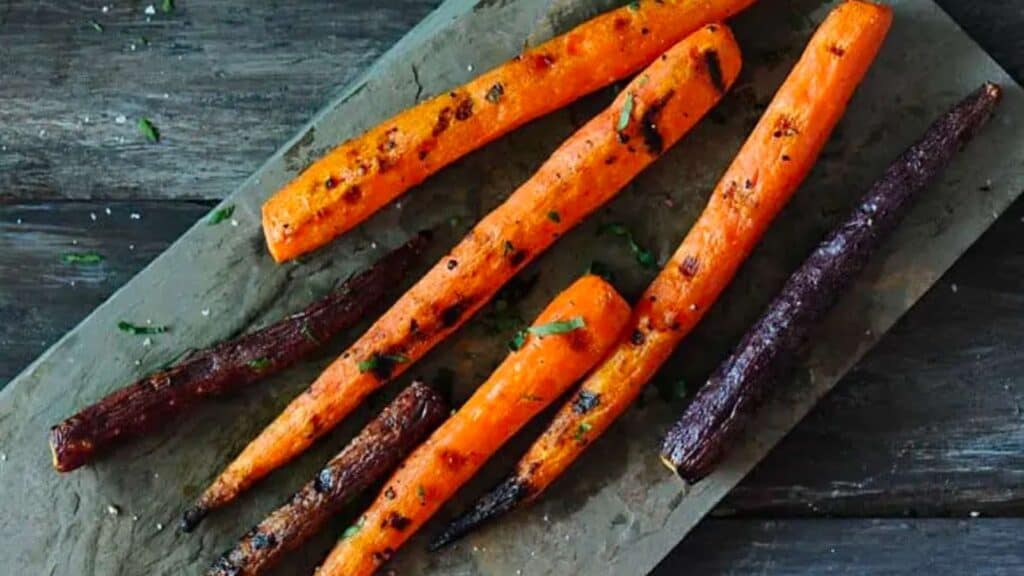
[694, 446]
[374, 452]
[361, 175]
[568, 338]
[154, 401]
[651, 114]
[767, 170]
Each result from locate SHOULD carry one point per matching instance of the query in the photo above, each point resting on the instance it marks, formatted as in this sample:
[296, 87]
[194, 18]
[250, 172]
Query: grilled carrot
[567, 339]
[767, 170]
[651, 114]
[374, 452]
[719, 412]
[363, 174]
[152, 402]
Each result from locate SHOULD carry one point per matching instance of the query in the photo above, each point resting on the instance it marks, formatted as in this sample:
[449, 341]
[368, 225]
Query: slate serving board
[619, 511]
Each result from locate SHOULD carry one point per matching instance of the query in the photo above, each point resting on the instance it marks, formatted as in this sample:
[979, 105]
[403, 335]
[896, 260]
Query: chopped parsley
[378, 361]
[627, 112]
[82, 258]
[309, 334]
[634, 5]
[601, 269]
[643, 256]
[259, 364]
[421, 493]
[582, 429]
[220, 214]
[125, 326]
[149, 130]
[353, 529]
[167, 6]
[554, 217]
[549, 329]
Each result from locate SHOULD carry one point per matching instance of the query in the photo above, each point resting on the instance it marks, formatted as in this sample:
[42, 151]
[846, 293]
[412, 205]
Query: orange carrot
[767, 170]
[651, 114]
[363, 174]
[567, 339]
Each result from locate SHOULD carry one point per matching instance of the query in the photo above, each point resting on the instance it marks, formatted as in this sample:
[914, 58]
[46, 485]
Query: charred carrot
[721, 409]
[651, 114]
[767, 170]
[363, 174]
[154, 401]
[567, 339]
[374, 452]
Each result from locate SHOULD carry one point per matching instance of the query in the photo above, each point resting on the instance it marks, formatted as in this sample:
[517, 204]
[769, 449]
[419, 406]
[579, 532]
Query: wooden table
[915, 462]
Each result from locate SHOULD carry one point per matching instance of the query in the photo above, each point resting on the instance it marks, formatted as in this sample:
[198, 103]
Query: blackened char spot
[464, 111]
[330, 182]
[689, 266]
[714, 66]
[585, 402]
[352, 195]
[324, 481]
[637, 338]
[450, 315]
[262, 540]
[517, 257]
[398, 522]
[649, 124]
[443, 120]
[837, 50]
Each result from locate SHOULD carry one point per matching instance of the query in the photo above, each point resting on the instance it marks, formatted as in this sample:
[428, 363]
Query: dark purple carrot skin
[720, 410]
[501, 499]
[378, 448]
[150, 403]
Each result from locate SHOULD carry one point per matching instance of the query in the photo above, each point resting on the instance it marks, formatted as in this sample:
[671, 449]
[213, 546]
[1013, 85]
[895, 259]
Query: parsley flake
[220, 214]
[379, 360]
[167, 6]
[644, 257]
[557, 327]
[421, 493]
[149, 130]
[82, 258]
[627, 112]
[259, 364]
[582, 429]
[353, 529]
[125, 326]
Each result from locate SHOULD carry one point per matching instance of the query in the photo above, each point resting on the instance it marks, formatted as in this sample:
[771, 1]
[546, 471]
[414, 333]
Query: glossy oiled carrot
[570, 336]
[651, 114]
[767, 170]
[363, 174]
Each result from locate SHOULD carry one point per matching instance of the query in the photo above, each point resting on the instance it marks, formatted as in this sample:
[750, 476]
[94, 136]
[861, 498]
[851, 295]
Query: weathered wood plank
[42, 297]
[854, 546]
[226, 83]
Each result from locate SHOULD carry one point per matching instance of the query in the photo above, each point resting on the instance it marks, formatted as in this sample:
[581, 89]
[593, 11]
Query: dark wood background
[915, 461]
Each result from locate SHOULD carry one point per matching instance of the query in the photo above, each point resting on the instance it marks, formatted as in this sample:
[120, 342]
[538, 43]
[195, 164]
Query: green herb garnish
[82, 258]
[421, 493]
[309, 334]
[125, 326]
[627, 112]
[554, 217]
[644, 257]
[96, 25]
[167, 6]
[353, 529]
[517, 341]
[259, 364]
[557, 327]
[220, 214]
[582, 430]
[634, 5]
[149, 130]
[375, 361]
[601, 269]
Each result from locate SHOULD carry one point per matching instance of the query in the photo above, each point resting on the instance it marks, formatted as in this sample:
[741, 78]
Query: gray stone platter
[619, 511]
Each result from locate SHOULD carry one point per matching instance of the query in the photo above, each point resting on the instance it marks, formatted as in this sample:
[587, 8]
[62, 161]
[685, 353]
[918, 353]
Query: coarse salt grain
[120, 119]
[113, 510]
[159, 526]
[953, 287]
[92, 216]
[150, 10]
[234, 223]
[135, 216]
[147, 342]
[107, 211]
[205, 311]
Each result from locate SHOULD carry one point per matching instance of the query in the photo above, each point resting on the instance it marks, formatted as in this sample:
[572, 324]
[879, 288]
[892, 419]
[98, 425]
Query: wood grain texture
[225, 83]
[951, 547]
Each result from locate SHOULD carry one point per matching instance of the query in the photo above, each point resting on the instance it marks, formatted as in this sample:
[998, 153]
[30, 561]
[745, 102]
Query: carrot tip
[503, 498]
[191, 518]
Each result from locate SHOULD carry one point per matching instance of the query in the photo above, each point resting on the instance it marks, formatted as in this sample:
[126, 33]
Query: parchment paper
[618, 511]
